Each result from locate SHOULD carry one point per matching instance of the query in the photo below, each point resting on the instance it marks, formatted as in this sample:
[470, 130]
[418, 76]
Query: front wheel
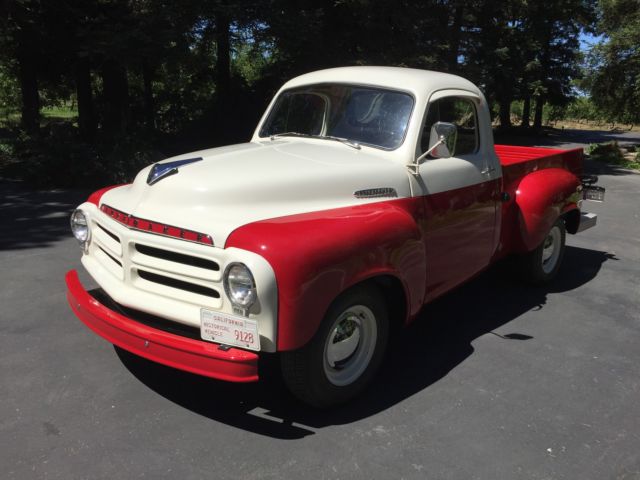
[542, 264]
[345, 353]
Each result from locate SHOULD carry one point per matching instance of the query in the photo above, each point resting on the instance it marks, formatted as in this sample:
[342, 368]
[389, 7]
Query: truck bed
[518, 161]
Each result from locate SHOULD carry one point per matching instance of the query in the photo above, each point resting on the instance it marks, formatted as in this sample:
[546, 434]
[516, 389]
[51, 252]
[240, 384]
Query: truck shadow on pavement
[419, 356]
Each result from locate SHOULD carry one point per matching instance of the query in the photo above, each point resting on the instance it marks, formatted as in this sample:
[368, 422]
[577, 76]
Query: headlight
[240, 286]
[80, 226]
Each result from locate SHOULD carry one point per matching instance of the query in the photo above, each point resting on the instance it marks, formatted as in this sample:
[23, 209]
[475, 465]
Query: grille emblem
[164, 170]
[156, 227]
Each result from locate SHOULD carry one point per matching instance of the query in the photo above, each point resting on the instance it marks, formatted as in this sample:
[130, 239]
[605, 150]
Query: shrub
[606, 152]
[611, 153]
[58, 157]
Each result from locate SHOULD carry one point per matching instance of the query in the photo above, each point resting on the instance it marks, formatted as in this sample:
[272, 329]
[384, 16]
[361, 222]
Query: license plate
[229, 329]
[593, 193]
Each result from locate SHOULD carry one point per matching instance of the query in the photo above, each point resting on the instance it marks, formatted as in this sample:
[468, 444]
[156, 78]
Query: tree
[22, 39]
[553, 30]
[494, 57]
[613, 78]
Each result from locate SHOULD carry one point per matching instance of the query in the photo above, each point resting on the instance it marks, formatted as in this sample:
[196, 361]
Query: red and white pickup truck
[365, 193]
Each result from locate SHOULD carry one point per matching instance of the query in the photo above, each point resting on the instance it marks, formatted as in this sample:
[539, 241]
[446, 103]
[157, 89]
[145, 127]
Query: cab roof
[408, 79]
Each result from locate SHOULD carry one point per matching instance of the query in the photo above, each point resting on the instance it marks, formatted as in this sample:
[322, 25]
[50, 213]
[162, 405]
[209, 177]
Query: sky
[587, 40]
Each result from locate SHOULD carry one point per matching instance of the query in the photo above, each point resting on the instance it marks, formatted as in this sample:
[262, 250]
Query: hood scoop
[164, 170]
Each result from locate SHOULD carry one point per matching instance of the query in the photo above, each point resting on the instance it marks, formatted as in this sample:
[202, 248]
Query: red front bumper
[200, 357]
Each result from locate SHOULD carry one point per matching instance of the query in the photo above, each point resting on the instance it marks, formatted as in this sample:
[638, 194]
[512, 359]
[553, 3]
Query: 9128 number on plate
[229, 329]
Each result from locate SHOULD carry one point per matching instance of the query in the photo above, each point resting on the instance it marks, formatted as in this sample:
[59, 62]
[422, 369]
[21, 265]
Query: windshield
[366, 115]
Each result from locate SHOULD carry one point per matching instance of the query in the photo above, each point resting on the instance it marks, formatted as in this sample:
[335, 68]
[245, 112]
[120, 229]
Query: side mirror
[442, 140]
[442, 144]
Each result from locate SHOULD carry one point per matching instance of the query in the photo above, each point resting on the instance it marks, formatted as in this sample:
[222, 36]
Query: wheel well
[394, 294]
[572, 220]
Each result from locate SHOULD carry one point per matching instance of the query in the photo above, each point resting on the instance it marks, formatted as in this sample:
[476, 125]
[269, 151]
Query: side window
[462, 113]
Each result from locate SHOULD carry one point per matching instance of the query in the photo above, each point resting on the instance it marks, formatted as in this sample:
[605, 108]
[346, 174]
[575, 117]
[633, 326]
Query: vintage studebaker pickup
[365, 193]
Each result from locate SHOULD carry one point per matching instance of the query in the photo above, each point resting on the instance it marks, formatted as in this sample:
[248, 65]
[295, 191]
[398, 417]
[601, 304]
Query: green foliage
[251, 60]
[608, 151]
[9, 94]
[611, 153]
[197, 73]
[7, 152]
[60, 112]
[614, 65]
[550, 114]
[584, 108]
[57, 157]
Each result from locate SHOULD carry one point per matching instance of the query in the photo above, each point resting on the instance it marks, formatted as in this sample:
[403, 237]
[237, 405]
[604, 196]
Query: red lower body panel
[193, 356]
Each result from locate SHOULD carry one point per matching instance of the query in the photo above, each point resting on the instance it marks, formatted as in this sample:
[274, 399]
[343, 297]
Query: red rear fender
[540, 198]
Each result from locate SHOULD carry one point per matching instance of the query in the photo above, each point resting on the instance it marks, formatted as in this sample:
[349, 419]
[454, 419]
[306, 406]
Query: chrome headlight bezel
[80, 227]
[240, 286]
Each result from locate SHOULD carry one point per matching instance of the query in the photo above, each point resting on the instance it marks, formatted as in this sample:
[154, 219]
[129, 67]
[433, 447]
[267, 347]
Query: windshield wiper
[290, 134]
[346, 141]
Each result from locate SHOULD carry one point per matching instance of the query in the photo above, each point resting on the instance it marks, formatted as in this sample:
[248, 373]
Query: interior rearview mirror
[446, 134]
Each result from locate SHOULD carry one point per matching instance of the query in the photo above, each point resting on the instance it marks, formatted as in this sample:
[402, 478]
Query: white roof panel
[410, 79]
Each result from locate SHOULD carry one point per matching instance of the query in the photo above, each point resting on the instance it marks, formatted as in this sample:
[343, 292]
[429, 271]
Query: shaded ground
[566, 138]
[32, 219]
[497, 380]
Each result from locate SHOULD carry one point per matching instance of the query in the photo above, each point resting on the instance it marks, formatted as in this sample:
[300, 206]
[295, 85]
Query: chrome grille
[116, 261]
[138, 260]
[178, 284]
[177, 257]
[107, 248]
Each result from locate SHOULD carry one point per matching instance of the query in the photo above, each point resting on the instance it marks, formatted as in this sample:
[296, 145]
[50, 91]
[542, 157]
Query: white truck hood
[239, 184]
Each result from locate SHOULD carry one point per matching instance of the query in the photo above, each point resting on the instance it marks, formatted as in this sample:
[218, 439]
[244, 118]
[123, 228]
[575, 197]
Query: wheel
[542, 264]
[344, 354]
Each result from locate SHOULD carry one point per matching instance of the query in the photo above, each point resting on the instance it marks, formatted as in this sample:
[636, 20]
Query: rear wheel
[542, 264]
[345, 353]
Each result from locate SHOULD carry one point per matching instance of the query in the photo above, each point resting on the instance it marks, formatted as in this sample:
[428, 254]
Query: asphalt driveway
[498, 380]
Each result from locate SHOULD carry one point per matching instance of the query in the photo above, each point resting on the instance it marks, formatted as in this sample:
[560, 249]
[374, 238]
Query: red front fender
[318, 255]
[97, 195]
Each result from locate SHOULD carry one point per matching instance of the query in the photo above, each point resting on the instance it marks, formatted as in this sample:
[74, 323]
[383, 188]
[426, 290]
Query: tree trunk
[526, 111]
[86, 114]
[325, 56]
[505, 112]
[27, 76]
[223, 64]
[454, 42]
[149, 108]
[115, 89]
[537, 118]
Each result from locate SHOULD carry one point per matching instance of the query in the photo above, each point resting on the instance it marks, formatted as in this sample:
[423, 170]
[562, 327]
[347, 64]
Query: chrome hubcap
[551, 250]
[350, 345]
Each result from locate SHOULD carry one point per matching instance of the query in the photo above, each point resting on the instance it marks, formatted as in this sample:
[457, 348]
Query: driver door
[459, 198]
